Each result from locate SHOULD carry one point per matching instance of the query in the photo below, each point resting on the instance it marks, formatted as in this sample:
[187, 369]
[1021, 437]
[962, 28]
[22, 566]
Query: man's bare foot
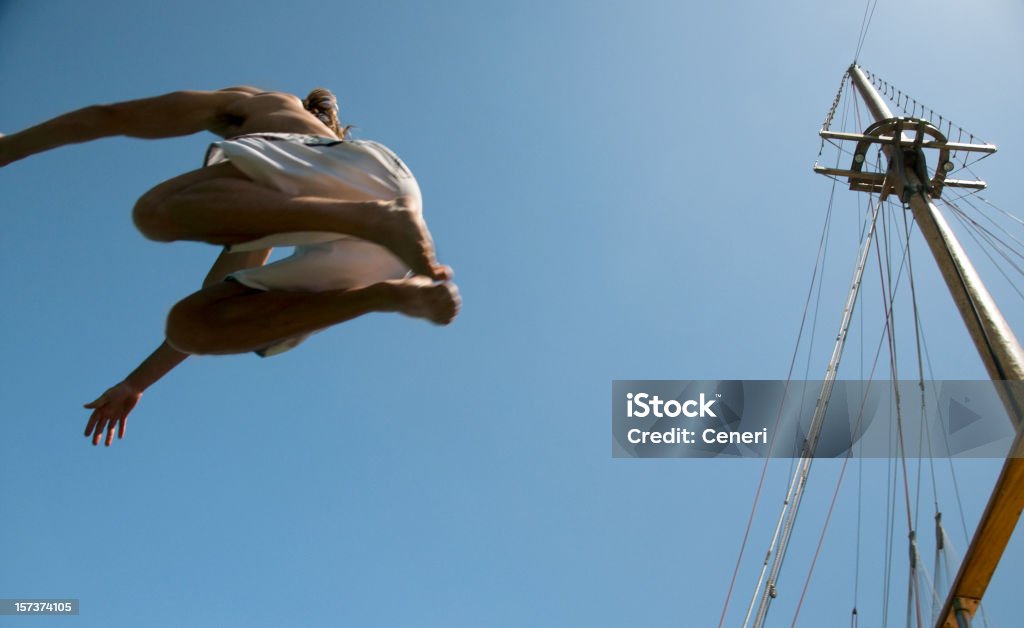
[405, 234]
[421, 297]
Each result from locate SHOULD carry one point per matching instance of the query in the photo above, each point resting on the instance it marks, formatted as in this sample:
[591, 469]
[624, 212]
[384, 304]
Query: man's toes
[447, 301]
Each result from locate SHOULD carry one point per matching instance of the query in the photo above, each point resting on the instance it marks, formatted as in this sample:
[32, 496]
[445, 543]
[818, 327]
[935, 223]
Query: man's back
[254, 111]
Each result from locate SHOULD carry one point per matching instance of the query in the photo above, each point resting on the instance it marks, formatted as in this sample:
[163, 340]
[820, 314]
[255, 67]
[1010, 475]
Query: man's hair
[321, 103]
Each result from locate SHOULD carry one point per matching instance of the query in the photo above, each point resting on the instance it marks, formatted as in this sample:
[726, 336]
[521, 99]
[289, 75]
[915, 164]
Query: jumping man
[285, 175]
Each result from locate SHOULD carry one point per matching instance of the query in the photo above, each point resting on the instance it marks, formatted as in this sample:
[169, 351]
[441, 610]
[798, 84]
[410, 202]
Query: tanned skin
[220, 205]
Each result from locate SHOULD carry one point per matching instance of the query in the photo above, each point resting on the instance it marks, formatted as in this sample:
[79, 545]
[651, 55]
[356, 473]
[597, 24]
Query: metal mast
[996, 344]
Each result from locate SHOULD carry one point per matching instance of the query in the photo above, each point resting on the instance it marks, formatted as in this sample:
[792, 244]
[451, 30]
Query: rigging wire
[856, 552]
[925, 581]
[991, 238]
[913, 595]
[821, 538]
[856, 429]
[940, 554]
[949, 450]
[918, 340]
[1005, 250]
[888, 336]
[893, 285]
[891, 484]
[918, 576]
[820, 259]
[891, 298]
[890, 519]
[791, 505]
[1006, 232]
[975, 231]
[966, 198]
[865, 24]
[946, 540]
[849, 454]
[920, 372]
[889, 310]
[942, 539]
[821, 541]
[854, 616]
[892, 479]
[1002, 211]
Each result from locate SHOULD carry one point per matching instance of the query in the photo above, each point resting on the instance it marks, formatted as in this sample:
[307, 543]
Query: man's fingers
[97, 432]
[92, 423]
[107, 419]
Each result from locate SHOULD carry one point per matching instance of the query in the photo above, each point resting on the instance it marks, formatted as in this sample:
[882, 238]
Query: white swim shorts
[309, 165]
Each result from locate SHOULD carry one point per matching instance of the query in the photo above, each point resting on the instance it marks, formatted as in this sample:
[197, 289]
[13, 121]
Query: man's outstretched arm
[170, 115]
[110, 411]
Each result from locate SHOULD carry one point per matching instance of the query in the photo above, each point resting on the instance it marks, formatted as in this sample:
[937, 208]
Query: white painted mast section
[763, 595]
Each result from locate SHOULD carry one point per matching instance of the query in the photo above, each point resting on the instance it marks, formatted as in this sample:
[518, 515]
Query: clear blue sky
[625, 192]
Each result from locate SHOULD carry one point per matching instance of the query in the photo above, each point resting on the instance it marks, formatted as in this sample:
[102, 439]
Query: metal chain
[835, 103]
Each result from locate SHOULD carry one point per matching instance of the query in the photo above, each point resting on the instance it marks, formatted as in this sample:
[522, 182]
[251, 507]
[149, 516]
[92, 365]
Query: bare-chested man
[285, 175]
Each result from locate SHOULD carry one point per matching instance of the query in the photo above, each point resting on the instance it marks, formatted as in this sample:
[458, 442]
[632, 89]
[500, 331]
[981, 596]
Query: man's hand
[111, 411]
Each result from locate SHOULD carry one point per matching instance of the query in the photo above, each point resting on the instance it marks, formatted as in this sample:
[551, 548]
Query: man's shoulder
[253, 110]
[252, 101]
[256, 93]
[244, 89]
[263, 99]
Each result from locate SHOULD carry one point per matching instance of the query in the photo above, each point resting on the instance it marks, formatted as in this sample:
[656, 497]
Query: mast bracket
[906, 151]
[964, 607]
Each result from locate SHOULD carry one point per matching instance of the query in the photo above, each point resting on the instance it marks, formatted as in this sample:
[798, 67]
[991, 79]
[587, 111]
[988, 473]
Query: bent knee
[190, 327]
[151, 218]
[200, 323]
